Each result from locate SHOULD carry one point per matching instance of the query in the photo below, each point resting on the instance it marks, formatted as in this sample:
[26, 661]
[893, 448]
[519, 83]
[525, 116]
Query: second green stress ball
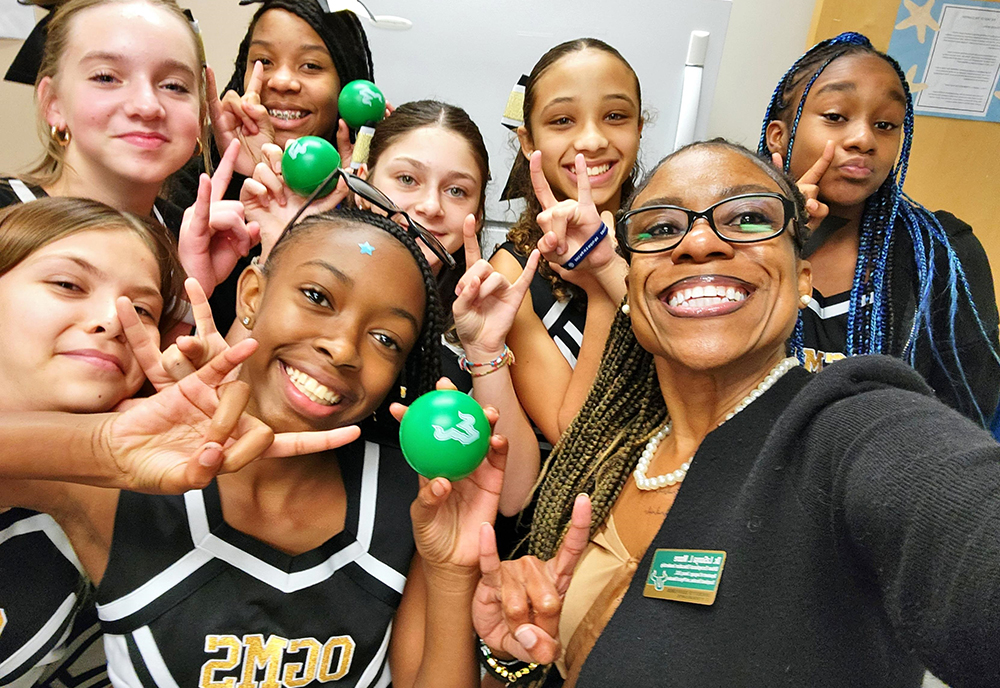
[444, 434]
[361, 104]
[307, 162]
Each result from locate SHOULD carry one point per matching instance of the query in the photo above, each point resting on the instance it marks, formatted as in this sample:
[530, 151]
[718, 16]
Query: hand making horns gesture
[241, 118]
[486, 301]
[518, 603]
[568, 225]
[182, 437]
[214, 234]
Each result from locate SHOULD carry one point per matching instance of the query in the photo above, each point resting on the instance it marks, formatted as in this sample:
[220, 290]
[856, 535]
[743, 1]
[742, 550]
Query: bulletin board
[955, 163]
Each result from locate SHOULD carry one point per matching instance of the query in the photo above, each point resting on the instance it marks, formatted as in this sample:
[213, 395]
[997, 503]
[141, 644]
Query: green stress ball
[361, 104]
[444, 434]
[307, 162]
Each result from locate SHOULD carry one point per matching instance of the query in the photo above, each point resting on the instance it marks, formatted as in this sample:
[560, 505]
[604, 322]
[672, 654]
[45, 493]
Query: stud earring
[805, 299]
[625, 308]
[247, 322]
[402, 391]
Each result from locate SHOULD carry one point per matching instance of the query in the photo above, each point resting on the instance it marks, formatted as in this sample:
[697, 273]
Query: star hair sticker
[367, 248]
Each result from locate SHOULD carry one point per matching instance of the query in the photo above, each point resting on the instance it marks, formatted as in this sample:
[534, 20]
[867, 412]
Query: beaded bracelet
[506, 358]
[509, 671]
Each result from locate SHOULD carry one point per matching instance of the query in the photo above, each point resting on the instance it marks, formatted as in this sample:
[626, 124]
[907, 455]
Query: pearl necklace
[677, 477]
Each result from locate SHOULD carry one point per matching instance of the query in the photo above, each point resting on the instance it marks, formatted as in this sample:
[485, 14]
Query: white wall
[764, 37]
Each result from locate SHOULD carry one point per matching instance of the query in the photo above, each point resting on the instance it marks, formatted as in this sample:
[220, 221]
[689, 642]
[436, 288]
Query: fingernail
[526, 637]
[437, 488]
[210, 454]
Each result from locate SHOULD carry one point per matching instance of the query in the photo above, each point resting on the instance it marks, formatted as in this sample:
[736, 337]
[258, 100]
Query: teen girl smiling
[297, 567]
[65, 262]
[582, 120]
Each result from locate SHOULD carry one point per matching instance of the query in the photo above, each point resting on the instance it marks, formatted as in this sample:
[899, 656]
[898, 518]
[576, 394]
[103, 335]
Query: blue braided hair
[870, 318]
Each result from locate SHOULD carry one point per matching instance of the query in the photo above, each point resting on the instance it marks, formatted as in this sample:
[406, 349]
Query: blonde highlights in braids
[599, 449]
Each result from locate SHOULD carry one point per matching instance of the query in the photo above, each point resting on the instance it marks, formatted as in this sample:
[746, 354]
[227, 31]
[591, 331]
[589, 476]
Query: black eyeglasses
[740, 219]
[378, 199]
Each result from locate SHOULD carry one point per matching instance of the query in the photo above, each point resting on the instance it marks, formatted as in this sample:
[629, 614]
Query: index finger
[520, 287]
[489, 558]
[583, 195]
[224, 172]
[212, 91]
[147, 353]
[572, 545]
[256, 78]
[472, 252]
[539, 183]
[819, 168]
[200, 307]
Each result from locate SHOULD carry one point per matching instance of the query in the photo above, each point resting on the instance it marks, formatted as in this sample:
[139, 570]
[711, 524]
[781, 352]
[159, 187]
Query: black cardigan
[861, 518]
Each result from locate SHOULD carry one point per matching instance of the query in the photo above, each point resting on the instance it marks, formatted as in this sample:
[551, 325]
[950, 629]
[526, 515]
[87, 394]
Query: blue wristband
[589, 246]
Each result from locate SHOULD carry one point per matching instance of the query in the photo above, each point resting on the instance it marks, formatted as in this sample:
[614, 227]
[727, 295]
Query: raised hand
[186, 354]
[568, 225]
[271, 204]
[241, 118]
[446, 515]
[518, 603]
[214, 234]
[486, 302]
[182, 437]
[809, 184]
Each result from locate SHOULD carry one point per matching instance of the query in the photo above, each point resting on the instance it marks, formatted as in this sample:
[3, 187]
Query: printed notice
[685, 575]
[951, 57]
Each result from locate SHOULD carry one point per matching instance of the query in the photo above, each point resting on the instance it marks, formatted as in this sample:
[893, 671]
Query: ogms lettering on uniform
[250, 662]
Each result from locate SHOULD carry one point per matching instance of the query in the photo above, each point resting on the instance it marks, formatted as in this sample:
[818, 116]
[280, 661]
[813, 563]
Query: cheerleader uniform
[188, 600]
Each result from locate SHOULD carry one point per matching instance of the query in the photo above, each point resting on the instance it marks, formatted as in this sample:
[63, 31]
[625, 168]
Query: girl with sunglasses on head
[428, 169]
[889, 276]
[121, 104]
[298, 568]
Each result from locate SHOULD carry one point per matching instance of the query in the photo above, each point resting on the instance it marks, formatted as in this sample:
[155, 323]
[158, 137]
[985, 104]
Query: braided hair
[871, 320]
[625, 407]
[342, 34]
[423, 365]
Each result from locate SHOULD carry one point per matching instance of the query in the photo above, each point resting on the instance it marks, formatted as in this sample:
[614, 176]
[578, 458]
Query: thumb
[432, 494]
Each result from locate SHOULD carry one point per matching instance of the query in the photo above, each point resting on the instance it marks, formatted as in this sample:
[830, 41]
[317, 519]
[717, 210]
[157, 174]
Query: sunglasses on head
[361, 188]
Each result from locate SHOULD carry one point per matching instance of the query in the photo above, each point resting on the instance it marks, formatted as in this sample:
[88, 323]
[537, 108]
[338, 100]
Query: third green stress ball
[444, 434]
[361, 104]
[307, 162]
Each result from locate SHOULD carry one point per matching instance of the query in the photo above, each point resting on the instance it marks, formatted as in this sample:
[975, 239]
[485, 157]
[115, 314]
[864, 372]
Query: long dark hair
[525, 233]
[871, 320]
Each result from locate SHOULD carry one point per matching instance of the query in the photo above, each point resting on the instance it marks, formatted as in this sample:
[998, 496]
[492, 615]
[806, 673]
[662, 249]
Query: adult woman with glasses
[751, 524]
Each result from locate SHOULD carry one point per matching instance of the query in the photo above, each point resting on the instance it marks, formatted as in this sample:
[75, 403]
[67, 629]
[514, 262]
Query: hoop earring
[60, 136]
[198, 147]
